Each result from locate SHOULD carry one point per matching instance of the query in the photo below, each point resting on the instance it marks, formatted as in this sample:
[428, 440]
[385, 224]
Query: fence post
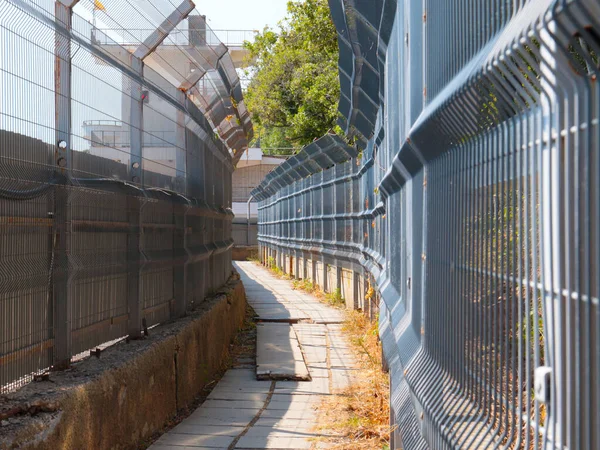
[61, 290]
[180, 258]
[135, 241]
[356, 291]
[134, 205]
[180, 210]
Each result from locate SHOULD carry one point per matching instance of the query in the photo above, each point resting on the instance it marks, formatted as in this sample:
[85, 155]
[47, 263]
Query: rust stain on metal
[21, 353]
[25, 221]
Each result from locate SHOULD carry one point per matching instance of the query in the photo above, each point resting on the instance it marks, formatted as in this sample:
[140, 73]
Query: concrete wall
[352, 285]
[135, 388]
[361, 289]
[240, 235]
[332, 279]
[347, 288]
[244, 253]
[319, 275]
[290, 264]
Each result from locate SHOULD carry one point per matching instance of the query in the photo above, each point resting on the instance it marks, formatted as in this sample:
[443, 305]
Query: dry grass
[272, 266]
[309, 287]
[359, 415]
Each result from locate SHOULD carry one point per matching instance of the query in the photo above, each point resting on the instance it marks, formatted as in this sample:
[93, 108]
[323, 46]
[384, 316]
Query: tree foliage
[294, 89]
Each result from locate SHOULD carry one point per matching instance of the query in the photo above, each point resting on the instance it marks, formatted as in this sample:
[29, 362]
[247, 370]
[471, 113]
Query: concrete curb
[140, 386]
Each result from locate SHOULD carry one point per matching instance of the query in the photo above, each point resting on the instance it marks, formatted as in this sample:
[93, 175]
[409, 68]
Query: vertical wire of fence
[470, 200]
[115, 192]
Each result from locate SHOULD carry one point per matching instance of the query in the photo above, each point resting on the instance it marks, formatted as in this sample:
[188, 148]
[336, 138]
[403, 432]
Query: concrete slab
[287, 316]
[315, 354]
[190, 440]
[279, 442]
[316, 372]
[318, 386]
[285, 424]
[279, 427]
[235, 388]
[297, 398]
[234, 404]
[208, 421]
[306, 415]
[244, 385]
[283, 401]
[278, 354]
[177, 447]
[222, 416]
[293, 406]
[341, 378]
[310, 330]
[213, 430]
[240, 395]
[262, 431]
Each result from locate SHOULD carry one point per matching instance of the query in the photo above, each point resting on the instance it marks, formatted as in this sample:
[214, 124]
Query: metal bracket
[160, 34]
[542, 379]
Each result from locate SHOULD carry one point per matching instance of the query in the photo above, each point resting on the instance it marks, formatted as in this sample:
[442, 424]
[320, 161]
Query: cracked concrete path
[243, 412]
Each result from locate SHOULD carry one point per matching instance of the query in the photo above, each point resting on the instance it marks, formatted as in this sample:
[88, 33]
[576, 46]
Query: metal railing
[236, 38]
[183, 50]
[97, 245]
[473, 206]
[198, 37]
[108, 138]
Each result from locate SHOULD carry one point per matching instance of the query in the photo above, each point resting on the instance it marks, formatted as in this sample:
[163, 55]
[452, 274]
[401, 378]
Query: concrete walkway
[243, 412]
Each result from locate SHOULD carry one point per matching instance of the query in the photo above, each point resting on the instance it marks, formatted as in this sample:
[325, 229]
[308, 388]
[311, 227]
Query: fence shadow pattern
[472, 199]
[101, 240]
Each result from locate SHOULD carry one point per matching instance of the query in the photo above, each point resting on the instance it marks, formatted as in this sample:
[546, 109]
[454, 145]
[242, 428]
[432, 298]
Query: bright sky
[242, 14]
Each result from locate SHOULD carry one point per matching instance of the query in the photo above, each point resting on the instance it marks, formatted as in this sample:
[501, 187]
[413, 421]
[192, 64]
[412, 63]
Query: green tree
[294, 89]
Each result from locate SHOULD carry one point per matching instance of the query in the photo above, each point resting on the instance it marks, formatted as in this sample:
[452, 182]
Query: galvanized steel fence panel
[474, 209]
[115, 193]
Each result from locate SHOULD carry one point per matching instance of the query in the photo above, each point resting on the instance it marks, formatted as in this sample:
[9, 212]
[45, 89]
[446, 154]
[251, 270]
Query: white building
[250, 171]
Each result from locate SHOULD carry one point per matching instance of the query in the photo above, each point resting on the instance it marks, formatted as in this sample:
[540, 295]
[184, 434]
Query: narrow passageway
[301, 358]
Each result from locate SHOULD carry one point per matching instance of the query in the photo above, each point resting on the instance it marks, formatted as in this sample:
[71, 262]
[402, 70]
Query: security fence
[470, 200]
[115, 189]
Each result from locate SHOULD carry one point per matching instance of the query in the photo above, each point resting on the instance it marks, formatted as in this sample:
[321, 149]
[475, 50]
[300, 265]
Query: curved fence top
[364, 29]
[320, 155]
[173, 39]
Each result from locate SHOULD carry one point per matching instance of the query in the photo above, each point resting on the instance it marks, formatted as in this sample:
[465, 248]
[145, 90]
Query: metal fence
[101, 239]
[230, 38]
[472, 199]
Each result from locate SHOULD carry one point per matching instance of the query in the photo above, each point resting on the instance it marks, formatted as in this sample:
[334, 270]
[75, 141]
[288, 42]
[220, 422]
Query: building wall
[247, 178]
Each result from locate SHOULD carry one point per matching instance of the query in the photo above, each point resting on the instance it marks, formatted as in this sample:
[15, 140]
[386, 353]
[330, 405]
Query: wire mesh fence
[203, 36]
[115, 189]
[474, 206]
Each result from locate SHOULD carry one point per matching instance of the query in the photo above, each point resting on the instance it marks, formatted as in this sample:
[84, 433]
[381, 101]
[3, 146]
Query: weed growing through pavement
[335, 298]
